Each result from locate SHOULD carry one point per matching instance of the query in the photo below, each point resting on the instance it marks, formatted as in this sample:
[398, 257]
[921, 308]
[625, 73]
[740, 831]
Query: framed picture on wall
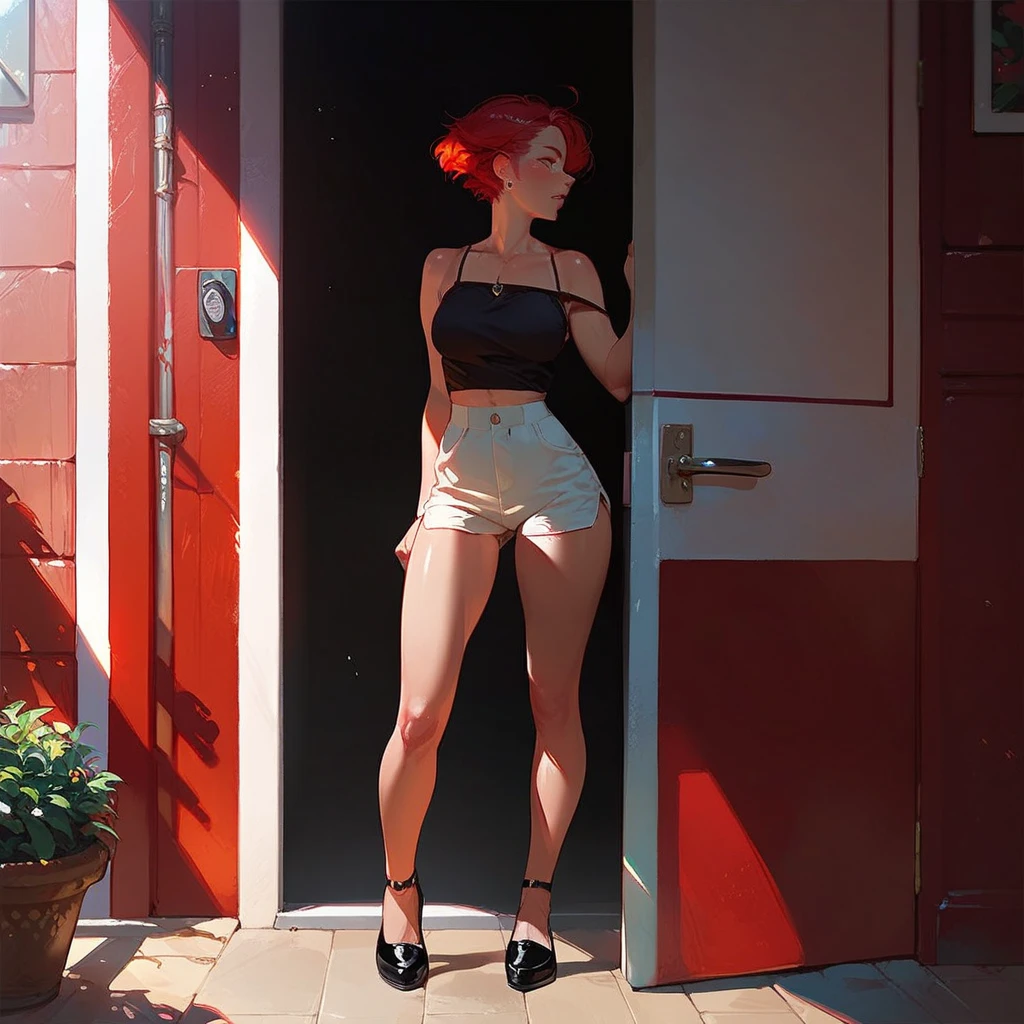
[999, 66]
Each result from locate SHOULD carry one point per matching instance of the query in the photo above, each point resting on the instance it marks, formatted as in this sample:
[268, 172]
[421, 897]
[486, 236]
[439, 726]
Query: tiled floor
[210, 973]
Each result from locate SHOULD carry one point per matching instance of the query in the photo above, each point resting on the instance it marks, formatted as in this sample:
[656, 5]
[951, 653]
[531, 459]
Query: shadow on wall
[37, 613]
[39, 667]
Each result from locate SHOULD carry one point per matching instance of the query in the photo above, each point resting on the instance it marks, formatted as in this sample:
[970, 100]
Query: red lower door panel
[787, 761]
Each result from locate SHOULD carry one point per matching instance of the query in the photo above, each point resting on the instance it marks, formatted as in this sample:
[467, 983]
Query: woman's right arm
[438, 408]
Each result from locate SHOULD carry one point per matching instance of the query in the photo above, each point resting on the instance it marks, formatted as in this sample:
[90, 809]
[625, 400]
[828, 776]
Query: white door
[770, 767]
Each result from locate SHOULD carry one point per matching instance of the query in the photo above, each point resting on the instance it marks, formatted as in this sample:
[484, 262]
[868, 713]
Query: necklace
[498, 287]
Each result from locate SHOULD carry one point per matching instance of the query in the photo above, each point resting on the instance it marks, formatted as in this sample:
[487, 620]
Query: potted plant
[55, 815]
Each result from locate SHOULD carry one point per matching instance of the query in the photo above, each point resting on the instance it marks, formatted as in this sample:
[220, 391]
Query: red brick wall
[37, 378]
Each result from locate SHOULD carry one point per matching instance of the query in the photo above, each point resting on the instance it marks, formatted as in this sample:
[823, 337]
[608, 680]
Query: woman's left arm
[609, 358]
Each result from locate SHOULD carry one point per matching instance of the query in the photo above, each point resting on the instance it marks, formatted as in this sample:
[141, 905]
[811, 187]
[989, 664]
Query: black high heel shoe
[403, 965]
[528, 965]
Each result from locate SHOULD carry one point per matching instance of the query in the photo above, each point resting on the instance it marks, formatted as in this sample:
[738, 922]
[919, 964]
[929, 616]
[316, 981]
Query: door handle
[679, 464]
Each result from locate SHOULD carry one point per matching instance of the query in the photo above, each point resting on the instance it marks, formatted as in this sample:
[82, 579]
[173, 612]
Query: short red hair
[507, 124]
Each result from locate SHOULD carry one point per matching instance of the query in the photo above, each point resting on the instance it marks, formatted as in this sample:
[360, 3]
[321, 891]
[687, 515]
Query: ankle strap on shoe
[398, 886]
[536, 883]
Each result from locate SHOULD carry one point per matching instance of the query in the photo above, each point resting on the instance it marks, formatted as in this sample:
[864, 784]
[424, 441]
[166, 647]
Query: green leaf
[1005, 96]
[999, 40]
[61, 728]
[9, 849]
[11, 772]
[10, 732]
[54, 746]
[42, 839]
[90, 828]
[12, 710]
[31, 792]
[1014, 34]
[10, 787]
[60, 801]
[26, 718]
[38, 757]
[57, 817]
[15, 825]
[78, 730]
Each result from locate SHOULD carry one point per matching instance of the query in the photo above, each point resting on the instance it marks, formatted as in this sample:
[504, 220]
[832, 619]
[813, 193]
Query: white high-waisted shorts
[511, 468]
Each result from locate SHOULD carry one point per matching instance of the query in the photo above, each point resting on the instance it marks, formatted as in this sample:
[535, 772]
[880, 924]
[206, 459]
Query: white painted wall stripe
[260, 497]
[92, 373]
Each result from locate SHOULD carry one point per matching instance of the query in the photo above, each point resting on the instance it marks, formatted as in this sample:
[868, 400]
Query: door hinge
[920, 84]
[917, 857]
[920, 452]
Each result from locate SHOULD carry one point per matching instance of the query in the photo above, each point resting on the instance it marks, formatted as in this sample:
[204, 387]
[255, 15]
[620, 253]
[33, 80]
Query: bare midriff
[482, 399]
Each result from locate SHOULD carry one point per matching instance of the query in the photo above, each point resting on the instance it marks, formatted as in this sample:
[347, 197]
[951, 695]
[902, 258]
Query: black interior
[367, 87]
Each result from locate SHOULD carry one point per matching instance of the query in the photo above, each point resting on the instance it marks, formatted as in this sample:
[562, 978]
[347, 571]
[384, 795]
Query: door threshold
[436, 917]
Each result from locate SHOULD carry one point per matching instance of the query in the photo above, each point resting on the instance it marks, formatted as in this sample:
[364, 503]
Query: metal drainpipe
[165, 427]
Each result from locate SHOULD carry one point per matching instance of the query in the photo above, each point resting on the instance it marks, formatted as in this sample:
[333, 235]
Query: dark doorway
[367, 87]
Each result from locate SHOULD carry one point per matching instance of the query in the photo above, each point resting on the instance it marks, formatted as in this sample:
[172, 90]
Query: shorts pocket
[554, 435]
[452, 435]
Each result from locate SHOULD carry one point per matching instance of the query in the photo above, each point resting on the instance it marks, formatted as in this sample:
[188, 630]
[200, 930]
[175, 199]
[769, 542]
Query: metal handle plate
[679, 464]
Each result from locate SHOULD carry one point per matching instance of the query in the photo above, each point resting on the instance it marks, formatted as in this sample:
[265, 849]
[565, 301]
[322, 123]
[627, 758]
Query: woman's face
[541, 183]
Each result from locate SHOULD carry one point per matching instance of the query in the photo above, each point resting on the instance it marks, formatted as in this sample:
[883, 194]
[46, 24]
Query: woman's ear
[502, 166]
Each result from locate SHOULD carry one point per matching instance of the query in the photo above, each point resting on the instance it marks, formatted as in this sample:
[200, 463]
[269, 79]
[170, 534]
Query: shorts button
[495, 418]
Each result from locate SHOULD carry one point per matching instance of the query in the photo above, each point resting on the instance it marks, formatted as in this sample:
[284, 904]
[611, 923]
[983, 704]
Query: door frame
[260, 490]
[260, 666]
[929, 803]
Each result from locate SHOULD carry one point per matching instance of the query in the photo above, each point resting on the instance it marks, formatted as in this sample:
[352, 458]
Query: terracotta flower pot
[39, 907]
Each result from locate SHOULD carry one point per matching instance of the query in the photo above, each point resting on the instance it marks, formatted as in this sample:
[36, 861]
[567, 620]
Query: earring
[508, 185]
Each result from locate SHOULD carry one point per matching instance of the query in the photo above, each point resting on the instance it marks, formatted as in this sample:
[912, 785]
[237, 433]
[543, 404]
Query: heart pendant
[496, 288]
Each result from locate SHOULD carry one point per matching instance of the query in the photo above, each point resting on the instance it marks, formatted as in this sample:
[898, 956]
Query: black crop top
[500, 336]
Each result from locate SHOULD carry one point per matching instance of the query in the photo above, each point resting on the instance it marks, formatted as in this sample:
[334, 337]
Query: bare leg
[447, 583]
[560, 580]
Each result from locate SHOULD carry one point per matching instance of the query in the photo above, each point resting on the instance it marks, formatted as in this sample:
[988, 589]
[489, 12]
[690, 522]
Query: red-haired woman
[496, 463]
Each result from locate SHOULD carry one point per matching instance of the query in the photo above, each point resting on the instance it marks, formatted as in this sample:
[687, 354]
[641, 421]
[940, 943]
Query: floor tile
[789, 1017]
[473, 1018]
[585, 950]
[145, 989]
[972, 972]
[270, 972]
[666, 1005]
[99, 963]
[747, 995]
[809, 1012]
[353, 991]
[81, 947]
[359, 938]
[994, 994]
[593, 998]
[187, 937]
[202, 1015]
[467, 974]
[929, 991]
[858, 992]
